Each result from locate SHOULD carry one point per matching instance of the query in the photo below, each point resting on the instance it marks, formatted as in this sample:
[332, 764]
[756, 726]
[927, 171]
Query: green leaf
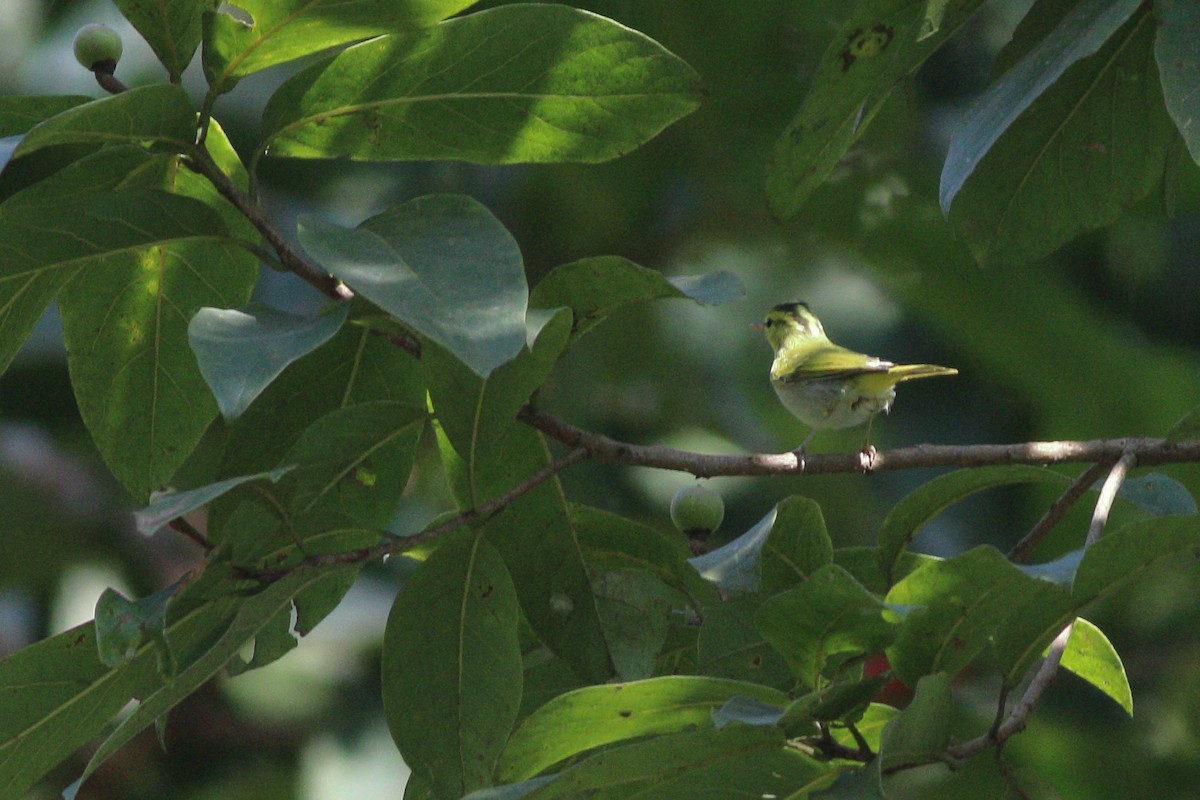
[125, 324]
[19, 114]
[487, 452]
[351, 467]
[354, 367]
[1177, 51]
[442, 265]
[736, 762]
[160, 114]
[1091, 144]
[833, 701]
[864, 783]
[172, 28]
[730, 646]
[797, 546]
[735, 566]
[595, 716]
[922, 731]
[240, 351]
[122, 627]
[1079, 34]
[863, 563]
[85, 232]
[595, 287]
[1130, 551]
[247, 617]
[934, 497]
[1092, 657]
[452, 666]
[284, 30]
[972, 604]
[828, 614]
[880, 43]
[514, 84]
[1157, 494]
[612, 542]
[166, 506]
[634, 607]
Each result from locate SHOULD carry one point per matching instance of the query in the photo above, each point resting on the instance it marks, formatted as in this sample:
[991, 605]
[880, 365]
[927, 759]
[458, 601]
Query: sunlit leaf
[518, 83]
[20, 113]
[1092, 657]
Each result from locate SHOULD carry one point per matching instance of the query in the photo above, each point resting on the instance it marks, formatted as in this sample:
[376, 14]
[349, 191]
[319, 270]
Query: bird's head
[791, 323]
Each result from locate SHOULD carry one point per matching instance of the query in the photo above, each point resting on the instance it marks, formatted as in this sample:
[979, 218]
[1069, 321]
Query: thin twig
[706, 465]
[1022, 550]
[400, 544]
[1019, 716]
[295, 261]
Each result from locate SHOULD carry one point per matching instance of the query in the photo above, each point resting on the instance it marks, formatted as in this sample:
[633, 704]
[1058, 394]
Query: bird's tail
[907, 372]
[881, 381]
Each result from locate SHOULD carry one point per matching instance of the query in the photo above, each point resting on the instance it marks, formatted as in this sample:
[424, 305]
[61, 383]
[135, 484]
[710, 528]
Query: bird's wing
[827, 362]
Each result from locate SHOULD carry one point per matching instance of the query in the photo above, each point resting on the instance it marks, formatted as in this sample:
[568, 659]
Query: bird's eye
[769, 323]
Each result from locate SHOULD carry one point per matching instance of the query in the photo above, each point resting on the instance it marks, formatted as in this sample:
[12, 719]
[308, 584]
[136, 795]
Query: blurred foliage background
[1099, 340]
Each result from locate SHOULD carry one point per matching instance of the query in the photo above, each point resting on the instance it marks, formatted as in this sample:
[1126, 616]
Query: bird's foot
[799, 454]
[866, 458]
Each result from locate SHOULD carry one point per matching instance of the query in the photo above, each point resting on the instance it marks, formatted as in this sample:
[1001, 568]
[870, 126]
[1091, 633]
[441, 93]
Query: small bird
[826, 385]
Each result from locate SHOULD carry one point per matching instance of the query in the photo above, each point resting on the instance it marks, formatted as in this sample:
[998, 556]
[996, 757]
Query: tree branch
[1022, 550]
[1019, 716]
[291, 258]
[400, 544]
[705, 465]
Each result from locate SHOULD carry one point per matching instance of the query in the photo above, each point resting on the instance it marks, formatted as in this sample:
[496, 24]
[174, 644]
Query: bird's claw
[866, 458]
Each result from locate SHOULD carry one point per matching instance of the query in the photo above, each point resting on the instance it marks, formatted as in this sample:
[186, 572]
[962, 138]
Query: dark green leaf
[937, 495]
[160, 113]
[518, 83]
[598, 715]
[1177, 51]
[595, 287]
[284, 30]
[442, 265]
[880, 43]
[1079, 34]
[1130, 551]
[1092, 657]
[84, 232]
[828, 614]
[123, 626]
[354, 367]
[198, 665]
[452, 666]
[974, 603]
[613, 542]
[166, 506]
[863, 563]
[1070, 161]
[864, 783]
[487, 452]
[171, 28]
[833, 701]
[735, 762]
[797, 546]
[922, 731]
[730, 645]
[19, 114]
[240, 351]
[633, 606]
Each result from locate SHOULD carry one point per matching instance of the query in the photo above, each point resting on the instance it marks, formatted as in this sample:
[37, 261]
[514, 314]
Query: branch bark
[601, 448]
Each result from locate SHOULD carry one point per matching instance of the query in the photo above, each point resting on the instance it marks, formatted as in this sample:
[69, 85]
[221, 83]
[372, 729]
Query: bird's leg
[868, 452]
[799, 450]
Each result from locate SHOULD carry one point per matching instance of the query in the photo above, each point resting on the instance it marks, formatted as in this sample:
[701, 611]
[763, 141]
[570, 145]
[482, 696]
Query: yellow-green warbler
[826, 385]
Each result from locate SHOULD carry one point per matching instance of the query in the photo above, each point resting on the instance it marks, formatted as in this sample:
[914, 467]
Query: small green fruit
[697, 509]
[97, 44]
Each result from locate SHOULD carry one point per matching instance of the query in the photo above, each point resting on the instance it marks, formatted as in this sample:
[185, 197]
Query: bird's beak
[758, 326]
